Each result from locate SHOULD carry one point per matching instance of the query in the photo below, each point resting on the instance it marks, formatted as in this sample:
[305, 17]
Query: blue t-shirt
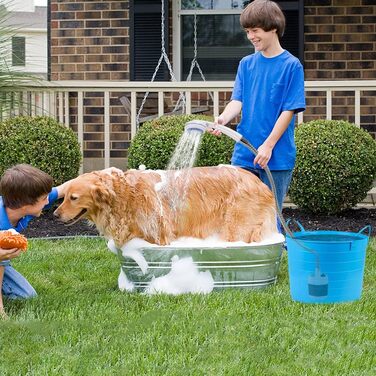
[23, 222]
[266, 87]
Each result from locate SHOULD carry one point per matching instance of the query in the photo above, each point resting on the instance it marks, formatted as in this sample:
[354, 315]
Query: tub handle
[365, 228]
[297, 222]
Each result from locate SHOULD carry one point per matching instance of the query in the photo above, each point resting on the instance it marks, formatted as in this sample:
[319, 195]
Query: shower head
[202, 126]
[198, 125]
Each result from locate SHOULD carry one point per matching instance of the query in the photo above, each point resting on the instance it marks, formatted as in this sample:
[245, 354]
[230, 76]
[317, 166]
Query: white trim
[66, 109]
[29, 30]
[133, 113]
[183, 85]
[329, 104]
[176, 36]
[160, 103]
[61, 107]
[357, 107]
[80, 123]
[209, 12]
[106, 129]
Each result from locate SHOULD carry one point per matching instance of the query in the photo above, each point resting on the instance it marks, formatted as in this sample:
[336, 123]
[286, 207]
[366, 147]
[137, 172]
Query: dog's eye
[73, 197]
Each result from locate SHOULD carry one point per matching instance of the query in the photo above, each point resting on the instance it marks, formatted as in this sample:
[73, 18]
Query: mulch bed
[350, 220]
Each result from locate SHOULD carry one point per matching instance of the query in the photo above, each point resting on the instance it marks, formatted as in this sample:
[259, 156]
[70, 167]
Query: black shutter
[293, 38]
[290, 40]
[146, 40]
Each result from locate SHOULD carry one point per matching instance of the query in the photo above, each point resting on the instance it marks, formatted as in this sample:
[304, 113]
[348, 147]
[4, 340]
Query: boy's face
[36, 209]
[262, 40]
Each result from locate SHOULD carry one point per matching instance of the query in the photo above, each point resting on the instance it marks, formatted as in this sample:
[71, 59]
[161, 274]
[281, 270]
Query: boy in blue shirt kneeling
[25, 192]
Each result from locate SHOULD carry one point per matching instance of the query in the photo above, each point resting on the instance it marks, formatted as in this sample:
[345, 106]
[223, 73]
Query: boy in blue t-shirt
[268, 91]
[25, 192]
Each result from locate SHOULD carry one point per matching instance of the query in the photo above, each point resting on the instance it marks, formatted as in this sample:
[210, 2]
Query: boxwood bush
[41, 142]
[335, 166]
[156, 140]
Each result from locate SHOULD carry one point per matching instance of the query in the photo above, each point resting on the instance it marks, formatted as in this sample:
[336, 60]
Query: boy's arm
[61, 189]
[56, 193]
[265, 150]
[2, 313]
[232, 110]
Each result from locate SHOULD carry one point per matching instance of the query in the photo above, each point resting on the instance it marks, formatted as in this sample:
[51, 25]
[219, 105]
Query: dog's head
[85, 196]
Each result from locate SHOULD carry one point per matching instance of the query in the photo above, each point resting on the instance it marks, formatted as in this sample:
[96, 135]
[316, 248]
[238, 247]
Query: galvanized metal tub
[245, 266]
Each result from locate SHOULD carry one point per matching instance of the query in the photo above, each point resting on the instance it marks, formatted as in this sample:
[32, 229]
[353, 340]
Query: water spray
[318, 282]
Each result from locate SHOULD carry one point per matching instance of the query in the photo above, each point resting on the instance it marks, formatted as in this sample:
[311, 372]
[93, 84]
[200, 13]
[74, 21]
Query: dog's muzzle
[71, 221]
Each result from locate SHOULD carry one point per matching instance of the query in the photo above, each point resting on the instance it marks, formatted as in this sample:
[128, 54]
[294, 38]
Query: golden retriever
[161, 206]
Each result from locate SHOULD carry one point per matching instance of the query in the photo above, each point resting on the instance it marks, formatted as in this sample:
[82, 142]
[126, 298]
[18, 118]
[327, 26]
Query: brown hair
[264, 14]
[23, 185]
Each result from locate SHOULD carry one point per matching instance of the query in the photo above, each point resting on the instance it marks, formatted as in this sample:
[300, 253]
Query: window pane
[214, 4]
[18, 51]
[221, 43]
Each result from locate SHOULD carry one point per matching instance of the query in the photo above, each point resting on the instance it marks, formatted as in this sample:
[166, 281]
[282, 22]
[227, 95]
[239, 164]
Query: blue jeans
[282, 179]
[15, 286]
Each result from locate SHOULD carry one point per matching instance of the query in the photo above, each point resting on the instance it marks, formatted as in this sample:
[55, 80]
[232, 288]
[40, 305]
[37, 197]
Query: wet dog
[162, 206]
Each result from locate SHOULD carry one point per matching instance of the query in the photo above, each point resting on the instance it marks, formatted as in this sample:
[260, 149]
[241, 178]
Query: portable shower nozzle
[202, 125]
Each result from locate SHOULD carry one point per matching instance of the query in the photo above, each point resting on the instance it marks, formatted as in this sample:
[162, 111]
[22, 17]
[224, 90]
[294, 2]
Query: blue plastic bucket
[326, 266]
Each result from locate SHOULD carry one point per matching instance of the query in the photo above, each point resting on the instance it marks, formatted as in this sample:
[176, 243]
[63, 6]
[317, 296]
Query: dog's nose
[56, 214]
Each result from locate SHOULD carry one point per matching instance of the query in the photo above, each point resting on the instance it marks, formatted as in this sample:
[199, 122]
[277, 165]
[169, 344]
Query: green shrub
[156, 140]
[335, 166]
[41, 142]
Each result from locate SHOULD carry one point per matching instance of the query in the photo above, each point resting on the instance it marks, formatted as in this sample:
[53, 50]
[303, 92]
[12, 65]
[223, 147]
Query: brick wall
[89, 40]
[340, 44]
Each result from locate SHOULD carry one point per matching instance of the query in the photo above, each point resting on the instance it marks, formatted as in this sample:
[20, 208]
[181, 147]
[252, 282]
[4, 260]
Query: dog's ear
[102, 194]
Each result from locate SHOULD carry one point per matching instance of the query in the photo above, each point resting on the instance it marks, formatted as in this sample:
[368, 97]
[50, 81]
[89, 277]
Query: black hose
[250, 147]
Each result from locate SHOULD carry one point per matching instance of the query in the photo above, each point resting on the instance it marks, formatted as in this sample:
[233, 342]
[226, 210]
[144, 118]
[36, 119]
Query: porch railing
[53, 99]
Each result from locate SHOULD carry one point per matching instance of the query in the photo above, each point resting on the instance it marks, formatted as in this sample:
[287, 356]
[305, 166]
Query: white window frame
[177, 12]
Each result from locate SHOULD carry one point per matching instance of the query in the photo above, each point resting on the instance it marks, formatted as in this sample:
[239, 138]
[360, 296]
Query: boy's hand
[263, 156]
[216, 132]
[8, 254]
[61, 189]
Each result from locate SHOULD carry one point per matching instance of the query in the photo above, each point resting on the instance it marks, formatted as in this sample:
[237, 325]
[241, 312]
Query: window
[220, 40]
[18, 51]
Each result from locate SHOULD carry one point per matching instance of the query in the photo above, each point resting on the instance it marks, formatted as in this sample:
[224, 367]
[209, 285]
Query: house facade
[28, 45]
[124, 40]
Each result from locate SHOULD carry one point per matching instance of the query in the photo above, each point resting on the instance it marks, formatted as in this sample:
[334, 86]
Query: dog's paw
[112, 247]
[124, 283]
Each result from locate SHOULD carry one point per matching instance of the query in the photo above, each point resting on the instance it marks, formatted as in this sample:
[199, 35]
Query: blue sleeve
[295, 98]
[52, 197]
[237, 92]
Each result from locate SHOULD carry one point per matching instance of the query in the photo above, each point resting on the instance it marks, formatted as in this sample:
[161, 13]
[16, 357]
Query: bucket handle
[365, 228]
[293, 220]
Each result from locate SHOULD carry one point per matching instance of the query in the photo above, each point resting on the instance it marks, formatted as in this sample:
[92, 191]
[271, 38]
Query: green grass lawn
[80, 324]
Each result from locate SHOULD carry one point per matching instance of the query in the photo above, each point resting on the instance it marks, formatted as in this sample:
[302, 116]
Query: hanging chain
[164, 57]
[194, 62]
[181, 102]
